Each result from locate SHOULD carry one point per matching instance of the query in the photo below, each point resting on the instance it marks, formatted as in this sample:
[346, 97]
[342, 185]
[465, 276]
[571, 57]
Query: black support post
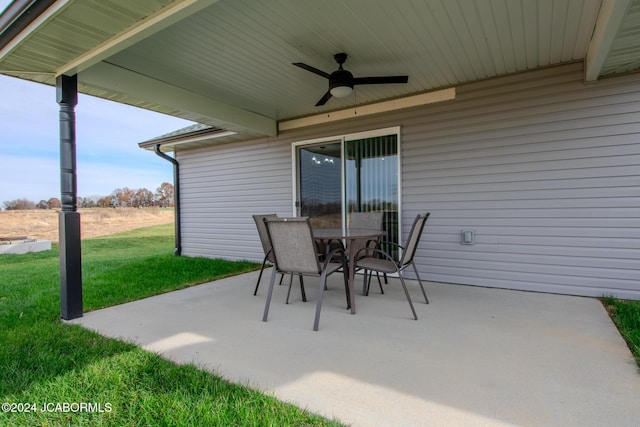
[69, 219]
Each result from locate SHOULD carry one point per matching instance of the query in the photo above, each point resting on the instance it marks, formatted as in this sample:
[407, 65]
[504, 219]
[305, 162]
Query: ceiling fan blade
[324, 99]
[312, 69]
[380, 80]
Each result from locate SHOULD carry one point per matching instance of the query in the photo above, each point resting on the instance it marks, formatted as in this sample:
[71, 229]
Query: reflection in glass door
[356, 173]
[320, 184]
[371, 181]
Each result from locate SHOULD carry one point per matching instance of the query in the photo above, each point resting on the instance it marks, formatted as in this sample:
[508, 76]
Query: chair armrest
[376, 249]
[333, 253]
[373, 252]
[334, 243]
[386, 242]
[374, 241]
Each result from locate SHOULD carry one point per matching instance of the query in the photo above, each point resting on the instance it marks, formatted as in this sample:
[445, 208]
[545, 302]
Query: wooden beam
[364, 110]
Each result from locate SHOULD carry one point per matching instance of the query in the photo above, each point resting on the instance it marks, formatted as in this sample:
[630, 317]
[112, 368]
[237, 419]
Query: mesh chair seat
[377, 264]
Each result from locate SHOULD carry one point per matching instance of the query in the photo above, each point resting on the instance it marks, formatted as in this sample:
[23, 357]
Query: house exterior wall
[543, 168]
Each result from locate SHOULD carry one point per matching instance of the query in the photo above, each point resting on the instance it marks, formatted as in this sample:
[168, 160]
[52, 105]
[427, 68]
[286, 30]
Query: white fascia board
[49, 14]
[116, 79]
[149, 26]
[612, 12]
[209, 137]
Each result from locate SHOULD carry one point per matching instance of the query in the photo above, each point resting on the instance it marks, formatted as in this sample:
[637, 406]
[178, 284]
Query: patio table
[351, 235]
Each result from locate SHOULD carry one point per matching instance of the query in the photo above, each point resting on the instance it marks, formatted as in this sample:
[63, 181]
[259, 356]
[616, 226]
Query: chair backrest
[372, 220]
[366, 220]
[414, 237]
[293, 245]
[264, 236]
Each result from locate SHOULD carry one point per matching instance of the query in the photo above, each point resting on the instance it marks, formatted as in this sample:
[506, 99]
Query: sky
[107, 137]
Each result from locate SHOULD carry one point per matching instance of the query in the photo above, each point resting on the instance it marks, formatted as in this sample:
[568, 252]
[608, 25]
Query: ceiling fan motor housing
[340, 78]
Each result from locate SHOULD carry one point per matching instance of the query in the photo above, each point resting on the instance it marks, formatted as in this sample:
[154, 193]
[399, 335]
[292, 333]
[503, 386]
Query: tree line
[119, 198]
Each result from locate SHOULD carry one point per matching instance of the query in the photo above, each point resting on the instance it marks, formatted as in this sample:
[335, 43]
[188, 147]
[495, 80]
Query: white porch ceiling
[227, 63]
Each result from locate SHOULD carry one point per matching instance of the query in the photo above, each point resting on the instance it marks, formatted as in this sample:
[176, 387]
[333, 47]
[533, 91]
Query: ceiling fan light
[341, 91]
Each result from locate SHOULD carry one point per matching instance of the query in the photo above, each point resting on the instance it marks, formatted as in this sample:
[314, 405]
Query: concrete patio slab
[475, 356]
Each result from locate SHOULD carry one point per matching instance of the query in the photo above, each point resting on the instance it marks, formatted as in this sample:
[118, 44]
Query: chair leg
[380, 283]
[345, 274]
[367, 287]
[406, 292]
[304, 295]
[255, 292]
[289, 291]
[266, 305]
[323, 280]
[420, 283]
[365, 283]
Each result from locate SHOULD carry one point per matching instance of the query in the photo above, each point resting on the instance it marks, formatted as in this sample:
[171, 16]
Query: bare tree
[105, 202]
[54, 203]
[89, 202]
[142, 198]
[19, 204]
[122, 197]
[164, 195]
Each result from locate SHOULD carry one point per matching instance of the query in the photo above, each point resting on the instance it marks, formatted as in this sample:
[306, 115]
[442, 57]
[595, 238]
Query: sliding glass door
[371, 180]
[320, 184]
[352, 173]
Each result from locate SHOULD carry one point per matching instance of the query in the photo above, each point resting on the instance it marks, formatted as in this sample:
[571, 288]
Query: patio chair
[268, 253]
[371, 219]
[373, 259]
[295, 252]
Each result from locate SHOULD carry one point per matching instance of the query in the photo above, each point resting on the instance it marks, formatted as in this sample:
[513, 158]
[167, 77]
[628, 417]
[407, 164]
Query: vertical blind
[371, 179]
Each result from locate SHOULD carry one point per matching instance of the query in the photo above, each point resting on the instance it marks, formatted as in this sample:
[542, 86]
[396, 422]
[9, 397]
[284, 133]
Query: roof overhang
[607, 30]
[192, 136]
[227, 64]
[26, 18]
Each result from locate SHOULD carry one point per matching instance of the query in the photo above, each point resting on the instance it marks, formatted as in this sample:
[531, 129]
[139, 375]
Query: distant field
[43, 224]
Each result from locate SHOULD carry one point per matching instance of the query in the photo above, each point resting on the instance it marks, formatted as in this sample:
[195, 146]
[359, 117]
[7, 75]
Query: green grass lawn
[626, 316]
[47, 362]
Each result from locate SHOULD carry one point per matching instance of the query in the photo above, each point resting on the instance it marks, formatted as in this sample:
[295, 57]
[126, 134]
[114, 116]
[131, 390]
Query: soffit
[70, 30]
[241, 51]
[624, 55]
[237, 55]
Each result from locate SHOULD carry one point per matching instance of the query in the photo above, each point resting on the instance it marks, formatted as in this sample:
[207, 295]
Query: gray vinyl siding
[543, 168]
[221, 188]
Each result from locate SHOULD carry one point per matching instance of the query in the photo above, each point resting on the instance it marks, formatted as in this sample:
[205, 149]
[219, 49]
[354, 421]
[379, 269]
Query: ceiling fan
[341, 81]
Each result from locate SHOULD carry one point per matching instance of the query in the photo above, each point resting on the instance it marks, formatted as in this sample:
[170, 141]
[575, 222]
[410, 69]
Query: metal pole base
[70, 265]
